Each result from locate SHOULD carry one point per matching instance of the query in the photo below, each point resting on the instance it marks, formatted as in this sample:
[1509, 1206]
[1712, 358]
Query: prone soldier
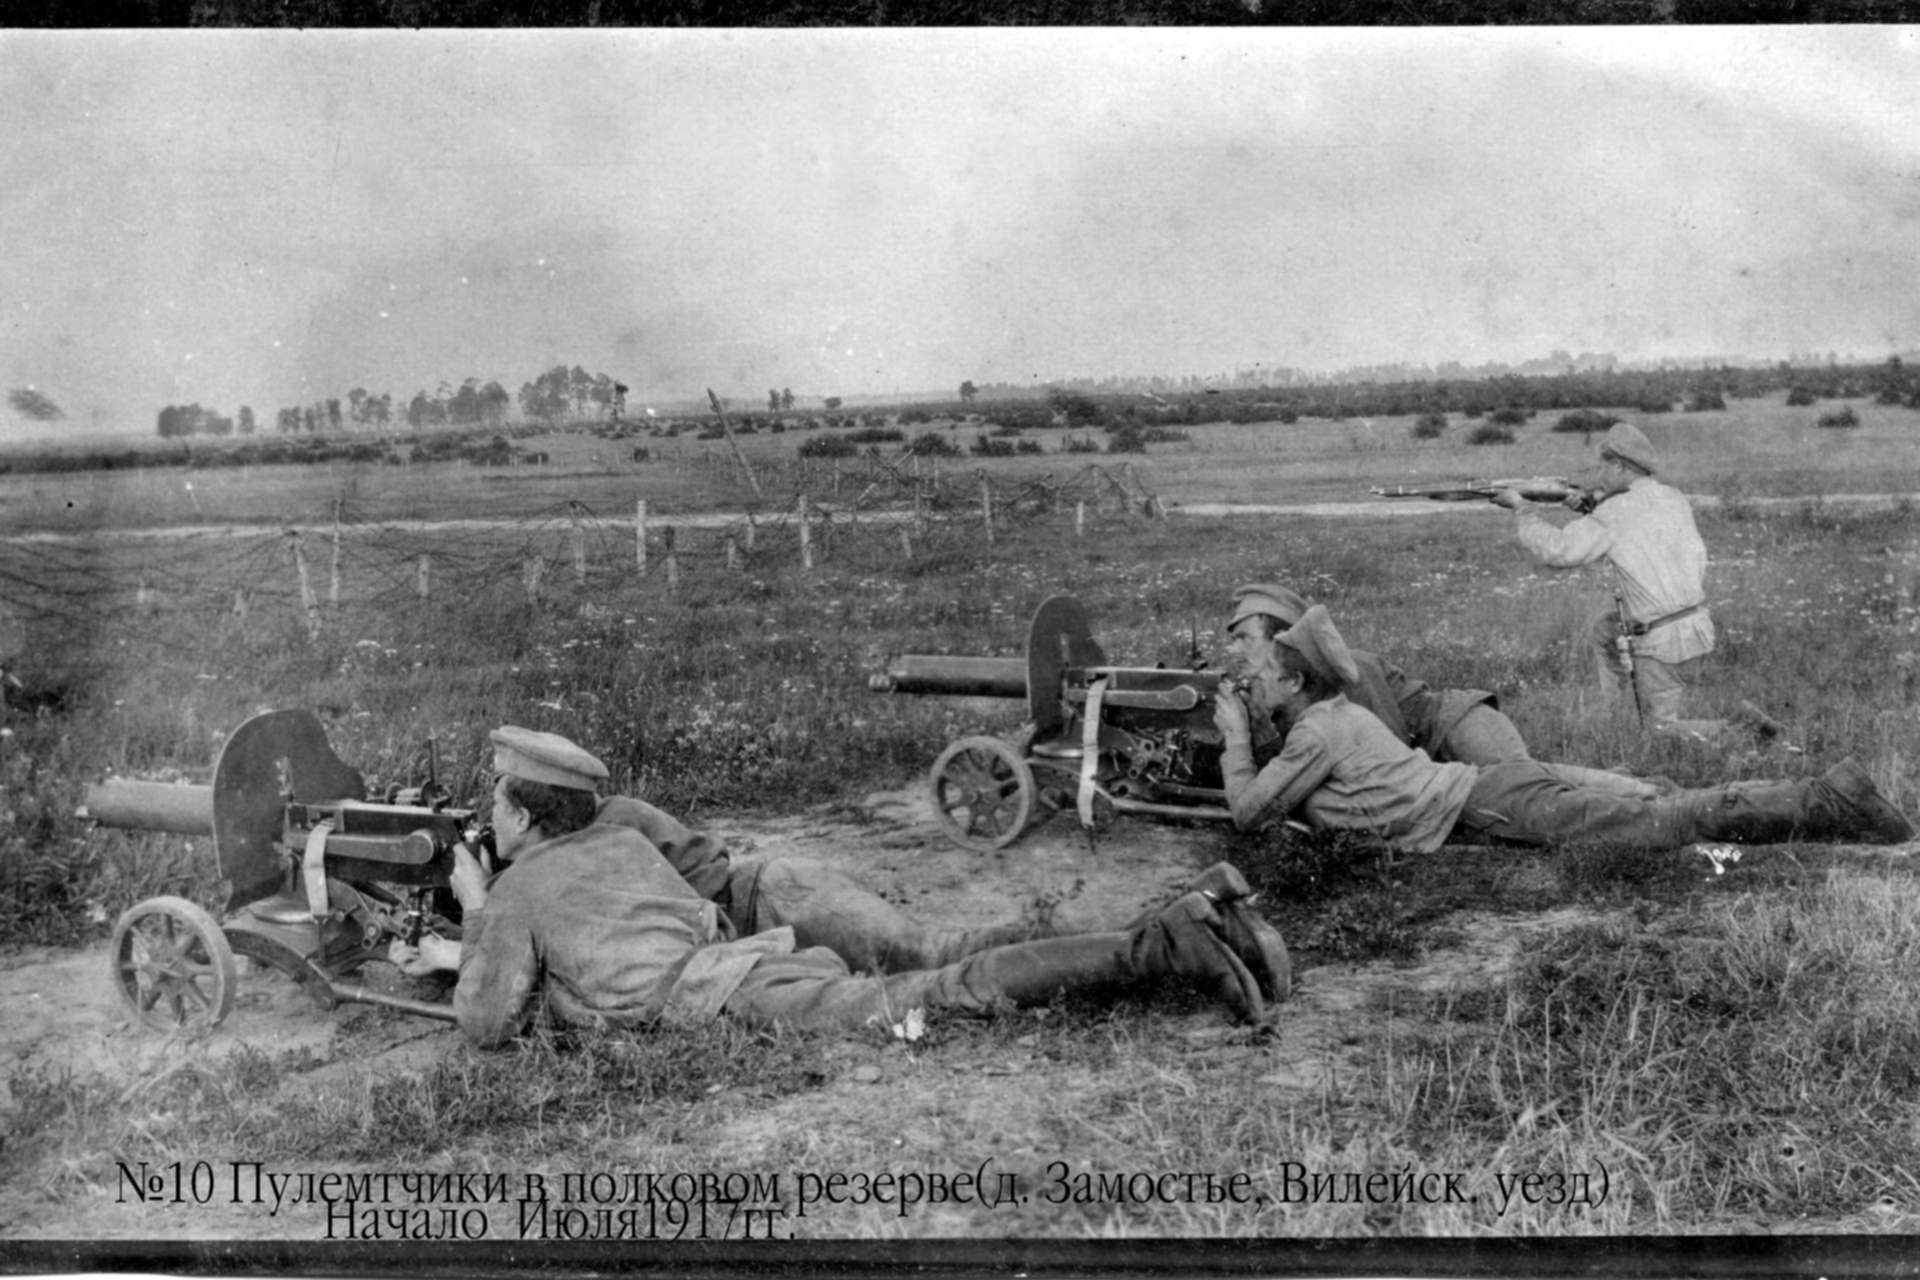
[1341, 768]
[1464, 725]
[589, 924]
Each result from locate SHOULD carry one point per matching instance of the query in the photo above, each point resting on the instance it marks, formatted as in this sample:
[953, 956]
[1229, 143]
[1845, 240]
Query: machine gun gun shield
[322, 880]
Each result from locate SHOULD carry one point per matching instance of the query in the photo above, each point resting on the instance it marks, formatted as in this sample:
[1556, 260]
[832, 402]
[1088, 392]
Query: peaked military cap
[544, 757]
[1627, 442]
[1269, 598]
[1316, 639]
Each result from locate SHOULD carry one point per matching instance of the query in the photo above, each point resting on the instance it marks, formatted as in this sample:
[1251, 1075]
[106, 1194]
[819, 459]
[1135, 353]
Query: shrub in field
[828, 447]
[1508, 416]
[1844, 416]
[930, 445]
[1707, 401]
[988, 447]
[1164, 435]
[1586, 421]
[1654, 404]
[1127, 440]
[1428, 426]
[1079, 410]
[1490, 433]
[1079, 444]
[1798, 396]
[1021, 415]
[879, 435]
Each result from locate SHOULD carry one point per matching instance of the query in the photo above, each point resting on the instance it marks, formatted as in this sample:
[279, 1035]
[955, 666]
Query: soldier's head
[1261, 611]
[1312, 652]
[1627, 454]
[544, 786]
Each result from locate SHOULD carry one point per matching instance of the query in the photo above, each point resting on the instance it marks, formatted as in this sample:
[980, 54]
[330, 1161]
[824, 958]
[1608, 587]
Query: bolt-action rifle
[1545, 489]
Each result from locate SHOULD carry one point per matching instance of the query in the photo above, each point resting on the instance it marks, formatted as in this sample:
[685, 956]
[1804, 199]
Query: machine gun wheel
[172, 966]
[983, 793]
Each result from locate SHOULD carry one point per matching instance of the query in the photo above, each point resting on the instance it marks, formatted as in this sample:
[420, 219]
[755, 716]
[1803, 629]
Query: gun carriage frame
[1100, 740]
[322, 878]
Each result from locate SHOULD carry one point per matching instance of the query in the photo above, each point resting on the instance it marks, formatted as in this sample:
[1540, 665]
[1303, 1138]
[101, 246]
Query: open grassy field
[1755, 448]
[1737, 1051]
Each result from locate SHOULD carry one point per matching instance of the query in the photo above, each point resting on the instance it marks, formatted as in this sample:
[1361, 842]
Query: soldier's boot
[1253, 939]
[1841, 804]
[1186, 940]
[940, 947]
[828, 908]
[889, 942]
[1661, 709]
[1246, 930]
[1762, 726]
[1858, 810]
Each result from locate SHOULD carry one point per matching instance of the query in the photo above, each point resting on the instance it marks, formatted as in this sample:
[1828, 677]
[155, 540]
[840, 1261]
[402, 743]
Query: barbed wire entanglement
[70, 601]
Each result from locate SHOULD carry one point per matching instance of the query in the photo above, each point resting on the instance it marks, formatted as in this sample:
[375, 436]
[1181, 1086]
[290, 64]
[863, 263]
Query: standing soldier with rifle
[1645, 530]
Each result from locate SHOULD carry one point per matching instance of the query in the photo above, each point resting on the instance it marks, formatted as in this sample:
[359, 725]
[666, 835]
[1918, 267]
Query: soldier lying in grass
[591, 925]
[1340, 767]
[1464, 725]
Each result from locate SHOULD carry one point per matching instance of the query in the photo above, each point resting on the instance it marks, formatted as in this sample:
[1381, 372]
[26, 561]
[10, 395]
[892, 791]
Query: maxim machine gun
[1103, 739]
[322, 878]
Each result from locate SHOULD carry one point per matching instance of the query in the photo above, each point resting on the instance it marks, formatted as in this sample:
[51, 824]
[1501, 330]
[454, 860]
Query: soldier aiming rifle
[1644, 529]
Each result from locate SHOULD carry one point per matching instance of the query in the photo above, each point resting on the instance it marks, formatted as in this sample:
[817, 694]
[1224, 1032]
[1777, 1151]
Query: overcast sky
[271, 218]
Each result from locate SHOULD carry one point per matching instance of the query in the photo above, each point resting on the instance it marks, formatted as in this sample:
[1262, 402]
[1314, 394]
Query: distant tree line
[566, 393]
[557, 395]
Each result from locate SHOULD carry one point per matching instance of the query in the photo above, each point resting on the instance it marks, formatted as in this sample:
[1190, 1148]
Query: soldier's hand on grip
[1230, 713]
[469, 879]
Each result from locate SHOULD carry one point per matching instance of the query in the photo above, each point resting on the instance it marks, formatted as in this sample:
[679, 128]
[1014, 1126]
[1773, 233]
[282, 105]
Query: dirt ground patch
[62, 1015]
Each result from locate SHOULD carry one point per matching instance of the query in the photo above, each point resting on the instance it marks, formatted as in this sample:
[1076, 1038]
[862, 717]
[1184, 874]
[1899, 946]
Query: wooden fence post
[307, 602]
[986, 506]
[333, 577]
[733, 553]
[535, 569]
[668, 540]
[906, 543]
[579, 539]
[806, 536]
[752, 528]
[1080, 518]
[640, 534]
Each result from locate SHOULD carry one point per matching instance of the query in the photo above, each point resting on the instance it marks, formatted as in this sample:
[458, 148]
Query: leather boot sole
[1198, 949]
[1872, 816]
[1257, 943]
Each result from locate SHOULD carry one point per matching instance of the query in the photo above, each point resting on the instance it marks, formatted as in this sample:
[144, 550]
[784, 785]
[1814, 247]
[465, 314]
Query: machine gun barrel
[183, 809]
[954, 677]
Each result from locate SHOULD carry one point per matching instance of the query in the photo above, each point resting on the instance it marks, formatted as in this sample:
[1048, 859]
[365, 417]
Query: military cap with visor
[537, 756]
[1316, 639]
[1629, 443]
[1269, 598]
